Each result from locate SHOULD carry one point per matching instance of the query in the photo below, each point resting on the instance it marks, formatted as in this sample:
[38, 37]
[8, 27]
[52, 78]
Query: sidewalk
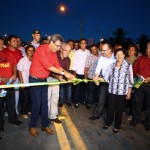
[76, 132]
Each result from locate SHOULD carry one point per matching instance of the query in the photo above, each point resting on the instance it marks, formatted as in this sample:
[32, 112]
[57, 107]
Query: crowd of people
[113, 70]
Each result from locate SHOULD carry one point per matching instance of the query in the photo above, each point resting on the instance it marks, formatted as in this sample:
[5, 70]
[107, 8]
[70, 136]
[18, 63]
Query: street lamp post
[81, 26]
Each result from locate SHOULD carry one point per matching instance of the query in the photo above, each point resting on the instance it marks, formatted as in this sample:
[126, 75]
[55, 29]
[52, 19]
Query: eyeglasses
[58, 46]
[105, 50]
[66, 51]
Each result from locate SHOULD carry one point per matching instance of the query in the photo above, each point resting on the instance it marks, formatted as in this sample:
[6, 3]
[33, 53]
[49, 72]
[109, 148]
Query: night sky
[99, 18]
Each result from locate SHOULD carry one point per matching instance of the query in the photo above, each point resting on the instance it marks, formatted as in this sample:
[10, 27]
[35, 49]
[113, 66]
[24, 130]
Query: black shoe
[76, 105]
[56, 120]
[116, 130]
[2, 129]
[83, 102]
[60, 105]
[69, 104]
[16, 123]
[93, 118]
[147, 128]
[134, 122]
[0, 138]
[105, 127]
[88, 106]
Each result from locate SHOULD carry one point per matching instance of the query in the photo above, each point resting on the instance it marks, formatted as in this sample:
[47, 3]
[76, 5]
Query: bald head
[66, 48]
[107, 50]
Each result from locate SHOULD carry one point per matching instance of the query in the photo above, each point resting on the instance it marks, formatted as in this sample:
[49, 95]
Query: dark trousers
[80, 91]
[65, 93]
[72, 87]
[103, 94]
[130, 104]
[92, 93]
[39, 97]
[143, 92]
[10, 105]
[1, 113]
[25, 100]
[116, 104]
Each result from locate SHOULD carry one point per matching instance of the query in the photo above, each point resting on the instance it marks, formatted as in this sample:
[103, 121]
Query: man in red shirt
[12, 49]
[142, 68]
[7, 71]
[44, 61]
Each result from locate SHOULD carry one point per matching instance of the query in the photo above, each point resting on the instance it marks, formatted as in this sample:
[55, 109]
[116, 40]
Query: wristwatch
[62, 73]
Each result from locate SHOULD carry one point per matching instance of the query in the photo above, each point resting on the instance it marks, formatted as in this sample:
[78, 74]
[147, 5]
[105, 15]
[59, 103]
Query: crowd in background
[52, 60]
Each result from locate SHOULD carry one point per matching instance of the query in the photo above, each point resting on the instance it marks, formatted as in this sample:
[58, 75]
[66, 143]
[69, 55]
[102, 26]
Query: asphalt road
[76, 132]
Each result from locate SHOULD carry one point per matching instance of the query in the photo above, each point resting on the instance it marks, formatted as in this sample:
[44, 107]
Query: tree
[120, 34]
[142, 41]
[119, 37]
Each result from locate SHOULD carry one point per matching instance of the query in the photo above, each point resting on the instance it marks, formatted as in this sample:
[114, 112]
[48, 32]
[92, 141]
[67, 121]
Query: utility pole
[81, 27]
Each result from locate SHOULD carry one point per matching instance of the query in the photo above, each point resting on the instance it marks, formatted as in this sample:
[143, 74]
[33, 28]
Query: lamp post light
[62, 8]
[5, 35]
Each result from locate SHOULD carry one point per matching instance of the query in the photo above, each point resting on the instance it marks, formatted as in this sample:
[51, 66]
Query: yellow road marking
[61, 117]
[63, 140]
[76, 138]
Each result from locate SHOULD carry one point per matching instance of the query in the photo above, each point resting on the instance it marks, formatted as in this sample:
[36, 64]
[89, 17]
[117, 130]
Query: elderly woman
[120, 78]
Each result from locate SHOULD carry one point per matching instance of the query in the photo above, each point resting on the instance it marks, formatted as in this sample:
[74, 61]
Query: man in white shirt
[78, 67]
[101, 70]
[36, 34]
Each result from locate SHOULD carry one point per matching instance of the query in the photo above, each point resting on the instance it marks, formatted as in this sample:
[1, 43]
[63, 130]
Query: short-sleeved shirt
[119, 79]
[17, 53]
[64, 63]
[24, 66]
[142, 66]
[36, 45]
[79, 61]
[103, 65]
[91, 63]
[42, 60]
[71, 56]
[7, 62]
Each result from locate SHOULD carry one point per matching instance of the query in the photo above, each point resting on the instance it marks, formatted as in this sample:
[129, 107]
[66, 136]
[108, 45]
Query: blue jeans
[65, 93]
[39, 97]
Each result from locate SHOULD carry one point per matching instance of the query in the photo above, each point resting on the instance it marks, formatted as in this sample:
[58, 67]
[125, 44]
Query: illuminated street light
[62, 8]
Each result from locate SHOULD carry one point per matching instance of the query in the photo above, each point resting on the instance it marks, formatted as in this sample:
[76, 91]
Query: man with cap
[36, 34]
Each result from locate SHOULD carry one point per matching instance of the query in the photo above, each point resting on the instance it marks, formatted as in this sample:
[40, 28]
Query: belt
[37, 78]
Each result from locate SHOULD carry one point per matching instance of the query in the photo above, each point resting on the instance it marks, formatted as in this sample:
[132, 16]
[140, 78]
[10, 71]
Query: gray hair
[55, 37]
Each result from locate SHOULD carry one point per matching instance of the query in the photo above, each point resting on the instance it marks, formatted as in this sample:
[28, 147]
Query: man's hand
[61, 78]
[13, 78]
[96, 81]
[5, 80]
[69, 76]
[146, 80]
